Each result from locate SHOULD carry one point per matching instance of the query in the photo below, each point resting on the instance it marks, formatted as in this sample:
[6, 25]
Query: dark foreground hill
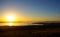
[50, 30]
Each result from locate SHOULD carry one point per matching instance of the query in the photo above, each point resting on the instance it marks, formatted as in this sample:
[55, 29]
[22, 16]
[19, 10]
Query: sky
[37, 10]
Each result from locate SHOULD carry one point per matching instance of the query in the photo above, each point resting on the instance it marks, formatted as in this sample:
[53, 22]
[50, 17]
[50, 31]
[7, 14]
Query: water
[18, 24]
[13, 24]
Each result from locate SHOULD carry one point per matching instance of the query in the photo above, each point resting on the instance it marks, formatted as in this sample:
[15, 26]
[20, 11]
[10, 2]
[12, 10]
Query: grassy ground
[29, 31]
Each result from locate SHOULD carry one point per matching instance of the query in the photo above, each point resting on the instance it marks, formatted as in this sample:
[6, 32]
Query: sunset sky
[35, 10]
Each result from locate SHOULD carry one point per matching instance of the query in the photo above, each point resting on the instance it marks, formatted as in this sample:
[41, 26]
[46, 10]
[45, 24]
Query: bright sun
[10, 18]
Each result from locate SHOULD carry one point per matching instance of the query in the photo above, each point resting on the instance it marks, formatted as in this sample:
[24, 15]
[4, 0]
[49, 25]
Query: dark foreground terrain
[50, 30]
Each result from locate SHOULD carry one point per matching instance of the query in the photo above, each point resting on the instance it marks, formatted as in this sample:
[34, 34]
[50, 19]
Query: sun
[10, 18]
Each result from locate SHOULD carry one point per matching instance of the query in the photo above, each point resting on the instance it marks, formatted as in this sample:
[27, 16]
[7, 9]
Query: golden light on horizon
[10, 24]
